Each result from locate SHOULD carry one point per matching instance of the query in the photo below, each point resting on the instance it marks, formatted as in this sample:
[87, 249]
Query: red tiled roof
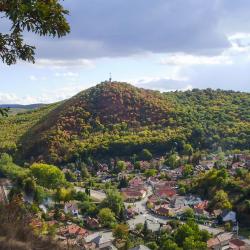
[237, 242]
[212, 242]
[75, 230]
[169, 192]
[202, 205]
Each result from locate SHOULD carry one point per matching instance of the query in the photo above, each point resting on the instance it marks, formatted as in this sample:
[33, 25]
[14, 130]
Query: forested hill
[113, 119]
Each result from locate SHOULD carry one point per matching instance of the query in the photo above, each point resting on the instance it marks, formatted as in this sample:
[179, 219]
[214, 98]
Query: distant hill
[19, 108]
[118, 119]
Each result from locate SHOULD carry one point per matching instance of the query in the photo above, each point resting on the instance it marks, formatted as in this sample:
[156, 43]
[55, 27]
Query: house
[162, 210]
[129, 166]
[133, 194]
[165, 192]
[153, 181]
[236, 244]
[178, 202]
[136, 181]
[73, 231]
[201, 207]
[167, 184]
[92, 223]
[228, 216]
[153, 199]
[140, 247]
[98, 241]
[71, 207]
[193, 200]
[131, 212]
[221, 241]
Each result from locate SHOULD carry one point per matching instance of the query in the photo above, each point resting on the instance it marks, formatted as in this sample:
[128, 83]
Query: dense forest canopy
[117, 119]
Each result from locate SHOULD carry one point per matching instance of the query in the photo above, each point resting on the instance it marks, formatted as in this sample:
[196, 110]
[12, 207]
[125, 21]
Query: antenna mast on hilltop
[110, 77]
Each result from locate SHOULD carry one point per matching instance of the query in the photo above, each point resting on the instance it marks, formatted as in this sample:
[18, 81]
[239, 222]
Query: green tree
[139, 227]
[114, 201]
[221, 200]
[191, 243]
[5, 159]
[150, 172]
[182, 233]
[187, 170]
[40, 194]
[84, 172]
[169, 245]
[29, 185]
[69, 176]
[121, 166]
[188, 150]
[152, 245]
[145, 230]
[63, 194]
[173, 161]
[146, 155]
[88, 208]
[137, 165]
[107, 217]
[45, 18]
[48, 176]
[121, 231]
[189, 213]
[4, 112]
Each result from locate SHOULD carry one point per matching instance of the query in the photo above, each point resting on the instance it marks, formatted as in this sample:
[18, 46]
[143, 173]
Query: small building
[221, 241]
[236, 244]
[165, 192]
[162, 210]
[71, 208]
[92, 223]
[98, 241]
[201, 207]
[73, 231]
[133, 194]
[228, 216]
[136, 181]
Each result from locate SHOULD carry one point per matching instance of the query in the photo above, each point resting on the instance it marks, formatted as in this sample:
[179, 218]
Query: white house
[228, 216]
[71, 207]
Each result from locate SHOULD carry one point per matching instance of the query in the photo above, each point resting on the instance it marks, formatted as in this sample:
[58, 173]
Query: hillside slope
[113, 119]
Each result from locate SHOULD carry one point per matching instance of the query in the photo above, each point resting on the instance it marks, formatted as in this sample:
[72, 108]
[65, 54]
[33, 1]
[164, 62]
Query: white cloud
[45, 96]
[33, 78]
[182, 59]
[66, 74]
[163, 84]
[64, 64]
[11, 98]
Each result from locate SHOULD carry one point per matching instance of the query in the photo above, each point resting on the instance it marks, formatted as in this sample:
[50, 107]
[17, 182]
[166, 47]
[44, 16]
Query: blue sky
[163, 44]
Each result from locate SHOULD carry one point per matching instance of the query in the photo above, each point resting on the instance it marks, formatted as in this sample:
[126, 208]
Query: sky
[165, 45]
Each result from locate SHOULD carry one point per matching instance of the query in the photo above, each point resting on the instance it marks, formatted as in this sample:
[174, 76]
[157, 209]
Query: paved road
[96, 195]
[152, 219]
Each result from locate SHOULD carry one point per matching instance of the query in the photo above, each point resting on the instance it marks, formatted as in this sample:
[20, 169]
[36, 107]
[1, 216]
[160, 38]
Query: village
[152, 194]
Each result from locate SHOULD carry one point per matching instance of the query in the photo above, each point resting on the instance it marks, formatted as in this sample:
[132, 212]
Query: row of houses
[135, 191]
[226, 241]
